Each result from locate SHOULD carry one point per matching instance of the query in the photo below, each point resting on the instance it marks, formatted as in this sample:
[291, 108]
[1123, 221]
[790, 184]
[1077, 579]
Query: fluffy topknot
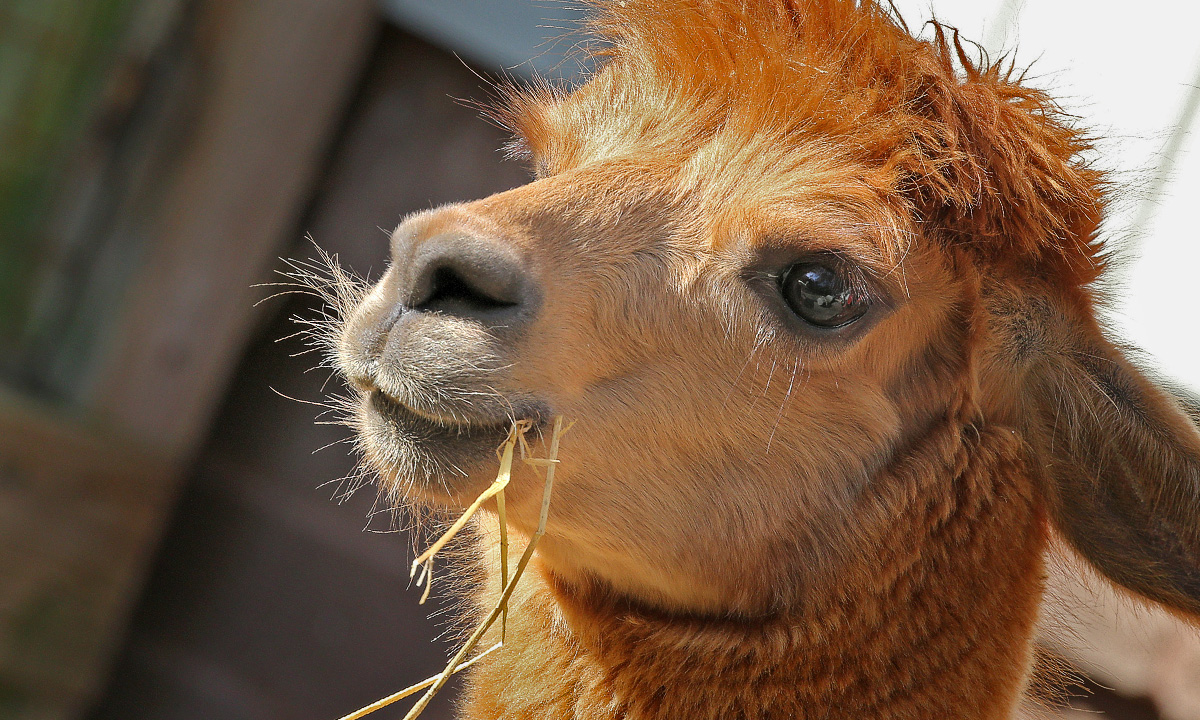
[981, 159]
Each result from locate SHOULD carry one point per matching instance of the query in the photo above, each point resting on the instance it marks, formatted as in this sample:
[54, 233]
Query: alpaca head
[769, 247]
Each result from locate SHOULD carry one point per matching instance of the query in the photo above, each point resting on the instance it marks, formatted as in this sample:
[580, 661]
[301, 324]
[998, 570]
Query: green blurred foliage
[54, 56]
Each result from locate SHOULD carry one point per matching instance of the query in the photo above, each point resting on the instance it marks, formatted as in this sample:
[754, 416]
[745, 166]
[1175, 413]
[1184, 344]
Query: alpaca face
[770, 245]
[728, 322]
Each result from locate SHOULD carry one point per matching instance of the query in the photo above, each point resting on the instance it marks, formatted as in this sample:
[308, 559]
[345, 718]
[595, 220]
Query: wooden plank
[276, 75]
[250, 102]
[76, 510]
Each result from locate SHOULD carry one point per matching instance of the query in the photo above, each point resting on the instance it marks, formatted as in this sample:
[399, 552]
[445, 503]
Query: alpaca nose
[462, 275]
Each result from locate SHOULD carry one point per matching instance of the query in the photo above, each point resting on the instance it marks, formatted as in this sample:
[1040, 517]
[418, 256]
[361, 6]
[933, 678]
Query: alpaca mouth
[432, 453]
[400, 412]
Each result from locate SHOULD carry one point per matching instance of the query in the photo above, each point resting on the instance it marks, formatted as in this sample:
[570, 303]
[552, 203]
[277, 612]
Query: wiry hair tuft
[981, 159]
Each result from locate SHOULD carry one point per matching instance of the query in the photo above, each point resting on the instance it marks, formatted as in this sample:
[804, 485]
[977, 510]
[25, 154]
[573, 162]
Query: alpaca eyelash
[853, 272]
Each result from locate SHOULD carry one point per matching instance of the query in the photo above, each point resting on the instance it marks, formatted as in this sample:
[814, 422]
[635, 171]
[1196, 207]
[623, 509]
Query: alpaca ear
[996, 167]
[1121, 459]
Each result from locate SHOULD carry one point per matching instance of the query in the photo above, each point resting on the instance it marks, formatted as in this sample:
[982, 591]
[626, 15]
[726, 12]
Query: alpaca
[820, 295]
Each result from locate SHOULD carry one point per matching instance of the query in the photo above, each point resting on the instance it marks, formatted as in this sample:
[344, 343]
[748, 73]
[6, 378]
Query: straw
[413, 689]
[500, 610]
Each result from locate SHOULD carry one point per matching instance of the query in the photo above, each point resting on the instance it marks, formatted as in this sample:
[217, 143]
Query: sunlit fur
[755, 518]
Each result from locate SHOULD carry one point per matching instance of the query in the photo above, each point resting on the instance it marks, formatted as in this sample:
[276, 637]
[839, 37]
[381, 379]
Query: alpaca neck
[935, 623]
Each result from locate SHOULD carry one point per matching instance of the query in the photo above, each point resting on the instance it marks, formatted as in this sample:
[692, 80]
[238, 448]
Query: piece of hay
[413, 689]
[500, 610]
[495, 489]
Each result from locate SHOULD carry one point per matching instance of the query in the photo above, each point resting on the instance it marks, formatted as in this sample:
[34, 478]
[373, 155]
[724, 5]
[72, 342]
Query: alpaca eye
[822, 295]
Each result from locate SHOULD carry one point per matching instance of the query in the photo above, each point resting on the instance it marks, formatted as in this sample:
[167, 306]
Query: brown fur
[601, 656]
[754, 518]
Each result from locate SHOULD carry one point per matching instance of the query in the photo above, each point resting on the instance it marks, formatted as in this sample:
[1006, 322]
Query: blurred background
[171, 545]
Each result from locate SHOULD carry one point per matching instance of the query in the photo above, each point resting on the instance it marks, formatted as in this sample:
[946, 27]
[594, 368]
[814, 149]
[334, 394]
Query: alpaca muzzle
[429, 350]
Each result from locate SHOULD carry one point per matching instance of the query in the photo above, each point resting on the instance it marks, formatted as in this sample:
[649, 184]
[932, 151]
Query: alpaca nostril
[450, 290]
[462, 275]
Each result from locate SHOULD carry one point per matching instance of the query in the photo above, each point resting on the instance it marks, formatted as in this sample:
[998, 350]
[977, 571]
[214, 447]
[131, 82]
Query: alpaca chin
[430, 459]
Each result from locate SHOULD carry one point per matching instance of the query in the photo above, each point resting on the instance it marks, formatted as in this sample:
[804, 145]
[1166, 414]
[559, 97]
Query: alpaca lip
[433, 460]
[398, 411]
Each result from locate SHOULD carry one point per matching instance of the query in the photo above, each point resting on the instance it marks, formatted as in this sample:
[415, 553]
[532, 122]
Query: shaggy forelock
[971, 153]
